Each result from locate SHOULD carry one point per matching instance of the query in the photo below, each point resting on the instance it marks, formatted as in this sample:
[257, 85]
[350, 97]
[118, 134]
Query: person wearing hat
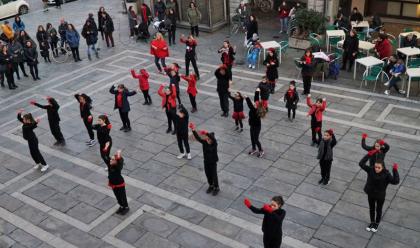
[211, 158]
[272, 64]
[181, 120]
[168, 94]
[223, 84]
[291, 98]
[325, 155]
[122, 104]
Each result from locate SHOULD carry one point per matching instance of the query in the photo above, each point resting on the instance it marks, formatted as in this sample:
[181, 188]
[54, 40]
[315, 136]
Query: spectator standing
[18, 25]
[351, 48]
[284, 17]
[100, 21]
[31, 58]
[132, 20]
[90, 33]
[16, 50]
[108, 28]
[53, 39]
[73, 39]
[194, 18]
[160, 9]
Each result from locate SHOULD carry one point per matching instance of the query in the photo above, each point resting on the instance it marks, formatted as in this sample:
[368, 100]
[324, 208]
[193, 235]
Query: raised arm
[40, 106]
[363, 162]
[324, 104]
[112, 90]
[364, 146]
[197, 137]
[77, 97]
[309, 101]
[249, 103]
[19, 117]
[160, 90]
[134, 74]
[385, 148]
[333, 140]
[395, 178]
[131, 93]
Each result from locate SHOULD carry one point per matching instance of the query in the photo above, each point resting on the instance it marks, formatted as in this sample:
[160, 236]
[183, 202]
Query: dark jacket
[377, 183]
[52, 111]
[209, 150]
[376, 22]
[253, 119]
[264, 90]
[107, 24]
[5, 62]
[160, 8]
[272, 70]
[28, 130]
[52, 35]
[325, 149]
[356, 17]
[16, 49]
[410, 43]
[62, 29]
[84, 108]
[44, 49]
[31, 55]
[174, 79]
[170, 21]
[73, 38]
[103, 134]
[222, 81]
[125, 94]
[272, 222]
[114, 172]
[238, 105]
[41, 36]
[351, 44]
[182, 123]
[378, 156]
[90, 33]
[342, 23]
[189, 47]
[251, 28]
[307, 69]
[291, 101]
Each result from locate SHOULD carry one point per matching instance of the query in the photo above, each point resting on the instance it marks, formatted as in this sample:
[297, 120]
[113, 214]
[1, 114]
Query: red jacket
[143, 78]
[159, 48]
[171, 99]
[283, 12]
[384, 48]
[313, 108]
[192, 84]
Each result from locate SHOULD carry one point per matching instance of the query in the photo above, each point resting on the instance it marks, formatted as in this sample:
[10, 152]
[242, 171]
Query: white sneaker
[44, 168]
[180, 156]
[91, 143]
[386, 92]
[386, 84]
[253, 67]
[189, 156]
[402, 91]
[37, 166]
[249, 66]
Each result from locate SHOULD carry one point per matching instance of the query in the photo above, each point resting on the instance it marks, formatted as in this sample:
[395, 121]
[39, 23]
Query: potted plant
[306, 21]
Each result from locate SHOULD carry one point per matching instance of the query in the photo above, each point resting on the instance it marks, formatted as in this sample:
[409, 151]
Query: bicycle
[264, 5]
[238, 22]
[63, 53]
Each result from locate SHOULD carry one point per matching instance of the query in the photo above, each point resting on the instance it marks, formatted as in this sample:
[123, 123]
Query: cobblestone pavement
[71, 205]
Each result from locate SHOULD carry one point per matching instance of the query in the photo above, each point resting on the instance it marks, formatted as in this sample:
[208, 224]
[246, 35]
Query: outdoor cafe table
[403, 35]
[409, 51]
[368, 62]
[363, 45]
[270, 44]
[334, 33]
[362, 24]
[411, 72]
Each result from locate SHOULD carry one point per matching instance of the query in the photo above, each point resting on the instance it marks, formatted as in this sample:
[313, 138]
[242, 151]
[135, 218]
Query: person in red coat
[159, 49]
[143, 78]
[383, 47]
[168, 94]
[191, 89]
[315, 111]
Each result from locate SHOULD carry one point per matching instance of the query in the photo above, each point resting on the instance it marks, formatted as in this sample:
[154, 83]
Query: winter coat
[107, 24]
[325, 149]
[132, 19]
[209, 150]
[377, 183]
[90, 33]
[62, 30]
[222, 81]
[31, 55]
[114, 173]
[272, 64]
[101, 22]
[228, 55]
[307, 69]
[351, 44]
[251, 28]
[291, 99]
[253, 120]
[52, 111]
[160, 8]
[143, 78]
[159, 48]
[383, 48]
[18, 26]
[171, 5]
[73, 38]
[41, 36]
[5, 62]
[192, 84]
[410, 43]
[52, 35]
[378, 156]
[7, 31]
[283, 12]
[102, 134]
[43, 49]
[145, 13]
[272, 222]
[168, 101]
[125, 94]
[264, 90]
[182, 123]
[170, 21]
[28, 129]
[194, 16]
[16, 49]
[356, 17]
[342, 23]
[314, 110]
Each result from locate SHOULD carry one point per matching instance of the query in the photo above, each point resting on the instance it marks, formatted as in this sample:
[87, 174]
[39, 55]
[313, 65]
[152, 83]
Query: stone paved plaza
[71, 205]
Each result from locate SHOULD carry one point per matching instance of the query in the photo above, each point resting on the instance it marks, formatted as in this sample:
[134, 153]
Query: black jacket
[16, 49]
[272, 70]
[5, 62]
[264, 90]
[28, 130]
[307, 69]
[379, 156]
[377, 183]
[272, 222]
[174, 80]
[251, 28]
[209, 150]
[410, 43]
[52, 111]
[31, 55]
[291, 102]
[84, 108]
[182, 123]
[356, 17]
[103, 134]
[41, 36]
[342, 23]
[222, 81]
[125, 94]
[160, 7]
[114, 172]
[253, 119]
[351, 44]
[62, 29]
[325, 149]
[90, 33]
[238, 105]
[107, 25]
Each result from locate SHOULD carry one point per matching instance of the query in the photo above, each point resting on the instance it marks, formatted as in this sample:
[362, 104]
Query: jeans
[93, 48]
[393, 83]
[283, 24]
[253, 56]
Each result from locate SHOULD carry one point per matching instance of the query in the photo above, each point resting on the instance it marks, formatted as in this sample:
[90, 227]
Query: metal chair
[298, 67]
[405, 30]
[413, 63]
[284, 44]
[372, 74]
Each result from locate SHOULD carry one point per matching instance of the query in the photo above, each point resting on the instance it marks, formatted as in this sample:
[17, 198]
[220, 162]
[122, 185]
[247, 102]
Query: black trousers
[102, 34]
[210, 169]
[239, 122]
[88, 126]
[194, 31]
[105, 155]
[193, 61]
[183, 139]
[75, 52]
[272, 241]
[35, 153]
[171, 34]
[33, 69]
[121, 196]
[224, 102]
[306, 84]
[162, 61]
[316, 127]
[229, 69]
[193, 102]
[325, 169]
[147, 97]
[124, 118]
[109, 39]
[178, 97]
[255, 137]
[56, 131]
[9, 77]
[170, 115]
[375, 204]
[348, 57]
[16, 68]
[289, 110]
[54, 48]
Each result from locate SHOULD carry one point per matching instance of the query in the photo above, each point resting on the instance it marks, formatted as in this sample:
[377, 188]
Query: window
[404, 9]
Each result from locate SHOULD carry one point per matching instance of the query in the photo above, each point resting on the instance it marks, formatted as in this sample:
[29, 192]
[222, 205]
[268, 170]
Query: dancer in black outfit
[376, 152]
[116, 181]
[173, 73]
[272, 64]
[53, 119]
[307, 63]
[256, 113]
[325, 155]
[378, 178]
[238, 110]
[181, 120]
[190, 55]
[265, 88]
[122, 104]
[29, 124]
[85, 103]
[273, 221]
[223, 83]
[211, 158]
[103, 127]
[291, 98]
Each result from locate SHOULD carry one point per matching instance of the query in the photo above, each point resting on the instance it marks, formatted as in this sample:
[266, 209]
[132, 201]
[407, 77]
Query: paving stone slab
[379, 240]
[40, 192]
[340, 238]
[61, 202]
[33, 215]
[191, 239]
[84, 213]
[131, 234]
[309, 204]
[25, 239]
[86, 195]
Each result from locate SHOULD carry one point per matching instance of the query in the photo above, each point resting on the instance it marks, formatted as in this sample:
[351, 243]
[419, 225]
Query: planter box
[299, 43]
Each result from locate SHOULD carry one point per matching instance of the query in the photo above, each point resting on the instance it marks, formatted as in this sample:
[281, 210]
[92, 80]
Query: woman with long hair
[256, 113]
[73, 39]
[159, 49]
[103, 127]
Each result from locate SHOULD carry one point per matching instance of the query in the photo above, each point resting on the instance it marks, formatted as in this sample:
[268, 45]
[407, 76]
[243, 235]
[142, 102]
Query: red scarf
[373, 152]
[308, 60]
[119, 100]
[144, 12]
[291, 93]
